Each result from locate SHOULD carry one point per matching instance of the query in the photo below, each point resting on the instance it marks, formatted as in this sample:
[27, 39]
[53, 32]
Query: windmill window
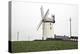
[50, 27]
[50, 23]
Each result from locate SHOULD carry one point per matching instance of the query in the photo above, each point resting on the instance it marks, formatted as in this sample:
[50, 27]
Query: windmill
[47, 24]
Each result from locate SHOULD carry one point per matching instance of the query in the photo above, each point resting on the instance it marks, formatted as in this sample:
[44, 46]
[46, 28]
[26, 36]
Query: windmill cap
[53, 16]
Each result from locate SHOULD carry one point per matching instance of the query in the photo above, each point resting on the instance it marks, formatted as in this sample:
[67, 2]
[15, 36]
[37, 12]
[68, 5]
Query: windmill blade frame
[43, 17]
[39, 24]
[47, 12]
[42, 12]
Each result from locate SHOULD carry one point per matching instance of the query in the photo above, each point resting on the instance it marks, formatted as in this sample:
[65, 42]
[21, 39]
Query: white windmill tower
[47, 24]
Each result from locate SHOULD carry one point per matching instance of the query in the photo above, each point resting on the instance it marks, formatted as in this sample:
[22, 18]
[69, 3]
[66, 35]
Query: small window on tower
[50, 27]
[50, 23]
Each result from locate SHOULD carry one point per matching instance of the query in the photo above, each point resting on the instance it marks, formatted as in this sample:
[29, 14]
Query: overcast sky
[26, 17]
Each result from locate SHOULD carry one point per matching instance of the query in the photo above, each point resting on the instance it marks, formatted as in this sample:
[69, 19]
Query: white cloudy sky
[26, 17]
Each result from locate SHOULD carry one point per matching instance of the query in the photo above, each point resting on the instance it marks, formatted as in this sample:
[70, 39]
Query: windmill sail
[39, 25]
[42, 12]
[43, 17]
[47, 12]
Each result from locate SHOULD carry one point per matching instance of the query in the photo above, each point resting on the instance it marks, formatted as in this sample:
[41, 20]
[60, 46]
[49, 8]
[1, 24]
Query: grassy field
[30, 46]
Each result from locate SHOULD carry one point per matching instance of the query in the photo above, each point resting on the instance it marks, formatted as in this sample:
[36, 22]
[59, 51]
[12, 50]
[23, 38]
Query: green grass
[30, 46]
